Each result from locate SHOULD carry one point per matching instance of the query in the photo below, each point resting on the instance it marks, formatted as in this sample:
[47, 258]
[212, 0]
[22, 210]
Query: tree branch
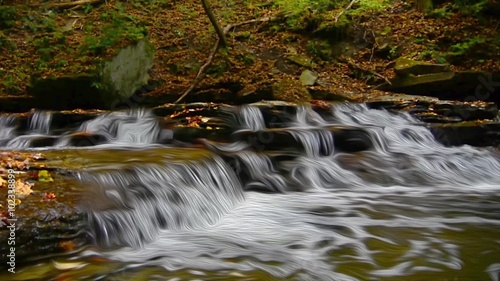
[200, 75]
[66, 5]
[226, 30]
[215, 24]
[343, 11]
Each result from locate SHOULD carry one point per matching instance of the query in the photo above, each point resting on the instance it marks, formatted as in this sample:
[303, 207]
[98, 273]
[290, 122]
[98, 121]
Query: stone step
[347, 139]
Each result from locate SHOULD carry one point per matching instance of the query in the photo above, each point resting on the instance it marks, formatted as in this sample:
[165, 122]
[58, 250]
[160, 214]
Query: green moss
[7, 16]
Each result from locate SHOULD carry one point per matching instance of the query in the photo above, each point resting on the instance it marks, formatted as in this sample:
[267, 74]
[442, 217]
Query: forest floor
[351, 50]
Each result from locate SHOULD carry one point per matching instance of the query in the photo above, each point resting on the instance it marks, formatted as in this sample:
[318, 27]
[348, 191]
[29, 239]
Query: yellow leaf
[44, 176]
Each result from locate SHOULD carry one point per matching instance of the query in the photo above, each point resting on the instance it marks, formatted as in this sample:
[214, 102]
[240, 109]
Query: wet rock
[85, 139]
[471, 133]
[191, 135]
[110, 84]
[434, 110]
[465, 85]
[344, 139]
[44, 141]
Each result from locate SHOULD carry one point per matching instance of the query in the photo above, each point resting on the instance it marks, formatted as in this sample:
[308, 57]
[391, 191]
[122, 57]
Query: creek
[346, 193]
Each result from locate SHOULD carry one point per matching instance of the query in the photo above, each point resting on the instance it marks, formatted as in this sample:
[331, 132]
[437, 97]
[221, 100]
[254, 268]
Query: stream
[350, 193]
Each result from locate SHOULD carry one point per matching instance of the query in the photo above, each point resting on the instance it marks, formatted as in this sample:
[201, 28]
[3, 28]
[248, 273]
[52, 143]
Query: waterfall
[128, 207]
[7, 128]
[350, 193]
[136, 126]
[251, 118]
[39, 122]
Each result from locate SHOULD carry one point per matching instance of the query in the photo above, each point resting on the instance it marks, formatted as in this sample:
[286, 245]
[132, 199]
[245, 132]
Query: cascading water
[401, 207]
[135, 126]
[39, 122]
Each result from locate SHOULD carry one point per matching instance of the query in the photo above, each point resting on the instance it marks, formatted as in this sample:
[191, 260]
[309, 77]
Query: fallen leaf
[44, 176]
[49, 196]
[23, 188]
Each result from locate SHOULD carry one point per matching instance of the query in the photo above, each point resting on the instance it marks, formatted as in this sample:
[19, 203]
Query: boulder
[406, 67]
[113, 82]
[464, 85]
[308, 77]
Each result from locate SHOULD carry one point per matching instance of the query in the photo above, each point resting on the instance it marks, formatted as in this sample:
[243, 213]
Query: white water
[407, 207]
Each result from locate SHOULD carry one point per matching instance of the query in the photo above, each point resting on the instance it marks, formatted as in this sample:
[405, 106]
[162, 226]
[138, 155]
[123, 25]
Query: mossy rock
[406, 67]
[112, 82]
[290, 90]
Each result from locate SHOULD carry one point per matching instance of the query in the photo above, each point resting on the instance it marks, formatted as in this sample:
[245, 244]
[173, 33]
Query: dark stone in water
[440, 111]
[471, 133]
[43, 141]
[190, 134]
[86, 139]
[345, 139]
[62, 121]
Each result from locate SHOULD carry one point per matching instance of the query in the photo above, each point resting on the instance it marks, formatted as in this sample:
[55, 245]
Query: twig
[226, 30]
[263, 19]
[200, 75]
[75, 3]
[343, 11]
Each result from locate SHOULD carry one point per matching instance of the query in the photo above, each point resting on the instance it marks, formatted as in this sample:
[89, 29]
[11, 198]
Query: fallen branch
[343, 11]
[226, 30]
[200, 74]
[66, 5]
[263, 19]
[215, 24]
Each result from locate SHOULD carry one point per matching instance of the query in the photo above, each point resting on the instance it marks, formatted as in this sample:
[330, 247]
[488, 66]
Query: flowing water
[406, 208]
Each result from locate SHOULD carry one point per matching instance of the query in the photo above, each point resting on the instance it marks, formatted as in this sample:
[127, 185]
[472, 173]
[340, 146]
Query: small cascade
[258, 172]
[305, 117]
[39, 122]
[7, 128]
[136, 126]
[250, 118]
[407, 153]
[130, 207]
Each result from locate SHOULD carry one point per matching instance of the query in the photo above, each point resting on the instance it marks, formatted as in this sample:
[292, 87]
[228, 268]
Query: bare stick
[226, 30]
[75, 3]
[200, 75]
[343, 11]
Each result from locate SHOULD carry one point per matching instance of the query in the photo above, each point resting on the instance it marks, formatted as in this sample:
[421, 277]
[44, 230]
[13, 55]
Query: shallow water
[408, 208]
